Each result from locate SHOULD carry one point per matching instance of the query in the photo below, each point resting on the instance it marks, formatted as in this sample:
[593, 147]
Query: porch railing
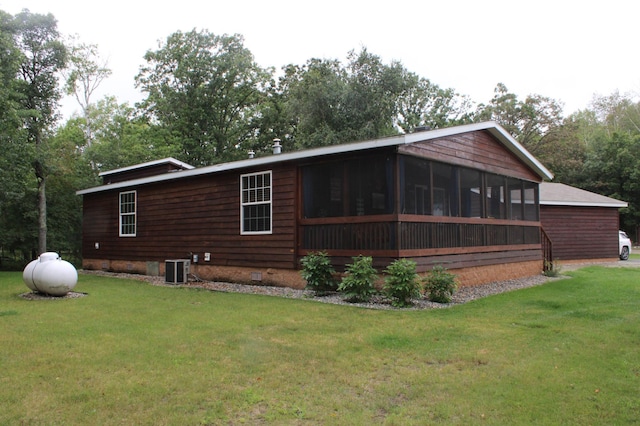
[353, 236]
[547, 251]
[414, 235]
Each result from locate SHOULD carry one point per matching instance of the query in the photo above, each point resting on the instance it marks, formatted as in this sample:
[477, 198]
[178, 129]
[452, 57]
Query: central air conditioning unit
[176, 271]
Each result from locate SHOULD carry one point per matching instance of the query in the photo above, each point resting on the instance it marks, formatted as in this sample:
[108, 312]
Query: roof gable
[150, 168]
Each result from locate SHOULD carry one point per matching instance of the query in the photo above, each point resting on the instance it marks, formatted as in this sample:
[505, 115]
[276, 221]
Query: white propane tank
[50, 274]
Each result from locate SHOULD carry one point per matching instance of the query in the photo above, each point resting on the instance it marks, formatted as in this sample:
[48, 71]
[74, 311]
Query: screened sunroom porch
[400, 205]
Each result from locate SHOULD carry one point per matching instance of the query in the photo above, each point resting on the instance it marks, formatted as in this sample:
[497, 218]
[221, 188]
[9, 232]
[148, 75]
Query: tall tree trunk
[42, 209]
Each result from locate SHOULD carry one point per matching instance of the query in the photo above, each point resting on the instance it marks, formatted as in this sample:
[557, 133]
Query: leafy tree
[206, 90]
[424, 104]
[385, 99]
[313, 99]
[44, 56]
[10, 59]
[530, 122]
[330, 103]
[504, 108]
[613, 169]
[271, 122]
[122, 139]
[68, 173]
[84, 75]
[617, 113]
[15, 170]
[565, 150]
[371, 96]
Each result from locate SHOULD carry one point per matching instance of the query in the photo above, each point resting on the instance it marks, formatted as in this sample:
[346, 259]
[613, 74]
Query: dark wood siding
[478, 150]
[179, 218]
[581, 232]
[425, 263]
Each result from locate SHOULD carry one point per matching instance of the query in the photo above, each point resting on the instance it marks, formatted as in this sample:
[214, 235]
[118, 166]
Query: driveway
[631, 263]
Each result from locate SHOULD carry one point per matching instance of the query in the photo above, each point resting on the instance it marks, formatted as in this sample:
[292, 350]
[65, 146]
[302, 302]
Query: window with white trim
[128, 214]
[255, 204]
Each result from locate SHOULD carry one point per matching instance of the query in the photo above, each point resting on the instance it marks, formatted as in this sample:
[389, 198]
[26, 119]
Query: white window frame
[254, 195]
[122, 214]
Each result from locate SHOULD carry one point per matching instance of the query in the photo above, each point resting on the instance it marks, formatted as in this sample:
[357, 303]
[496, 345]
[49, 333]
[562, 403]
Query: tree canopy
[34, 87]
[204, 89]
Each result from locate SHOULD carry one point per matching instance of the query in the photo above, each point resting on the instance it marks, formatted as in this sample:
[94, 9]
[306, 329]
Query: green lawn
[567, 352]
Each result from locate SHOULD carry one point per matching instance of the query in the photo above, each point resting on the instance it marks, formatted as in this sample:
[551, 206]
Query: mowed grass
[567, 352]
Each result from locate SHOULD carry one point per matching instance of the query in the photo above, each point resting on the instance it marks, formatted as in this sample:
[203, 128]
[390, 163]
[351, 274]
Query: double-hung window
[128, 214]
[255, 208]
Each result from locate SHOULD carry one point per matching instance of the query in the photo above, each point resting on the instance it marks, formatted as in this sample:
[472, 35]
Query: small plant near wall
[551, 268]
[401, 283]
[440, 285]
[358, 283]
[318, 272]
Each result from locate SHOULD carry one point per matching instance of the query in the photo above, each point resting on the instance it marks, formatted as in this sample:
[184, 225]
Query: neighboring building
[581, 225]
[464, 197]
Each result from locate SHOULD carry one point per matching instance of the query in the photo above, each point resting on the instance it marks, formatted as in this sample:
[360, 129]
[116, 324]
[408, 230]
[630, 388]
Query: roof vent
[252, 154]
[421, 129]
[277, 148]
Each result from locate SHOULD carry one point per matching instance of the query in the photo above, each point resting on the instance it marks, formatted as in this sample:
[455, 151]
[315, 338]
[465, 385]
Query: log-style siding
[478, 150]
[581, 232]
[179, 218]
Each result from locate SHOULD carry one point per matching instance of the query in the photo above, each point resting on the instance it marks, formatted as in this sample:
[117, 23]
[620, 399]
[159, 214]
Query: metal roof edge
[170, 160]
[520, 151]
[252, 162]
[620, 204]
[495, 129]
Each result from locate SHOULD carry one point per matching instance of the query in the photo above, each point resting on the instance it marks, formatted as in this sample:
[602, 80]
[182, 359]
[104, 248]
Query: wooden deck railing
[414, 235]
[351, 236]
[547, 251]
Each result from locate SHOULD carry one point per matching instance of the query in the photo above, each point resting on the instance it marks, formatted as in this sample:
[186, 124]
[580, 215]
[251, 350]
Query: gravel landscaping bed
[463, 295]
[35, 295]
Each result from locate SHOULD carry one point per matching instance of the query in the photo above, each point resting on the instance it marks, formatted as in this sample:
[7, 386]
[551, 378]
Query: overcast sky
[565, 50]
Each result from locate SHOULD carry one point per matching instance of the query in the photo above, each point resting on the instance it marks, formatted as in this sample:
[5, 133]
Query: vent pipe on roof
[277, 148]
[421, 129]
[252, 154]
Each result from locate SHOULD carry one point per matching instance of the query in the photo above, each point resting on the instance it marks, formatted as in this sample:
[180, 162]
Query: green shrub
[402, 284]
[439, 285]
[358, 282]
[552, 268]
[318, 272]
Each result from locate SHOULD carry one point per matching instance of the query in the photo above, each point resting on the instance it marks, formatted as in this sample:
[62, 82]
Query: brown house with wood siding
[464, 197]
[581, 225]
